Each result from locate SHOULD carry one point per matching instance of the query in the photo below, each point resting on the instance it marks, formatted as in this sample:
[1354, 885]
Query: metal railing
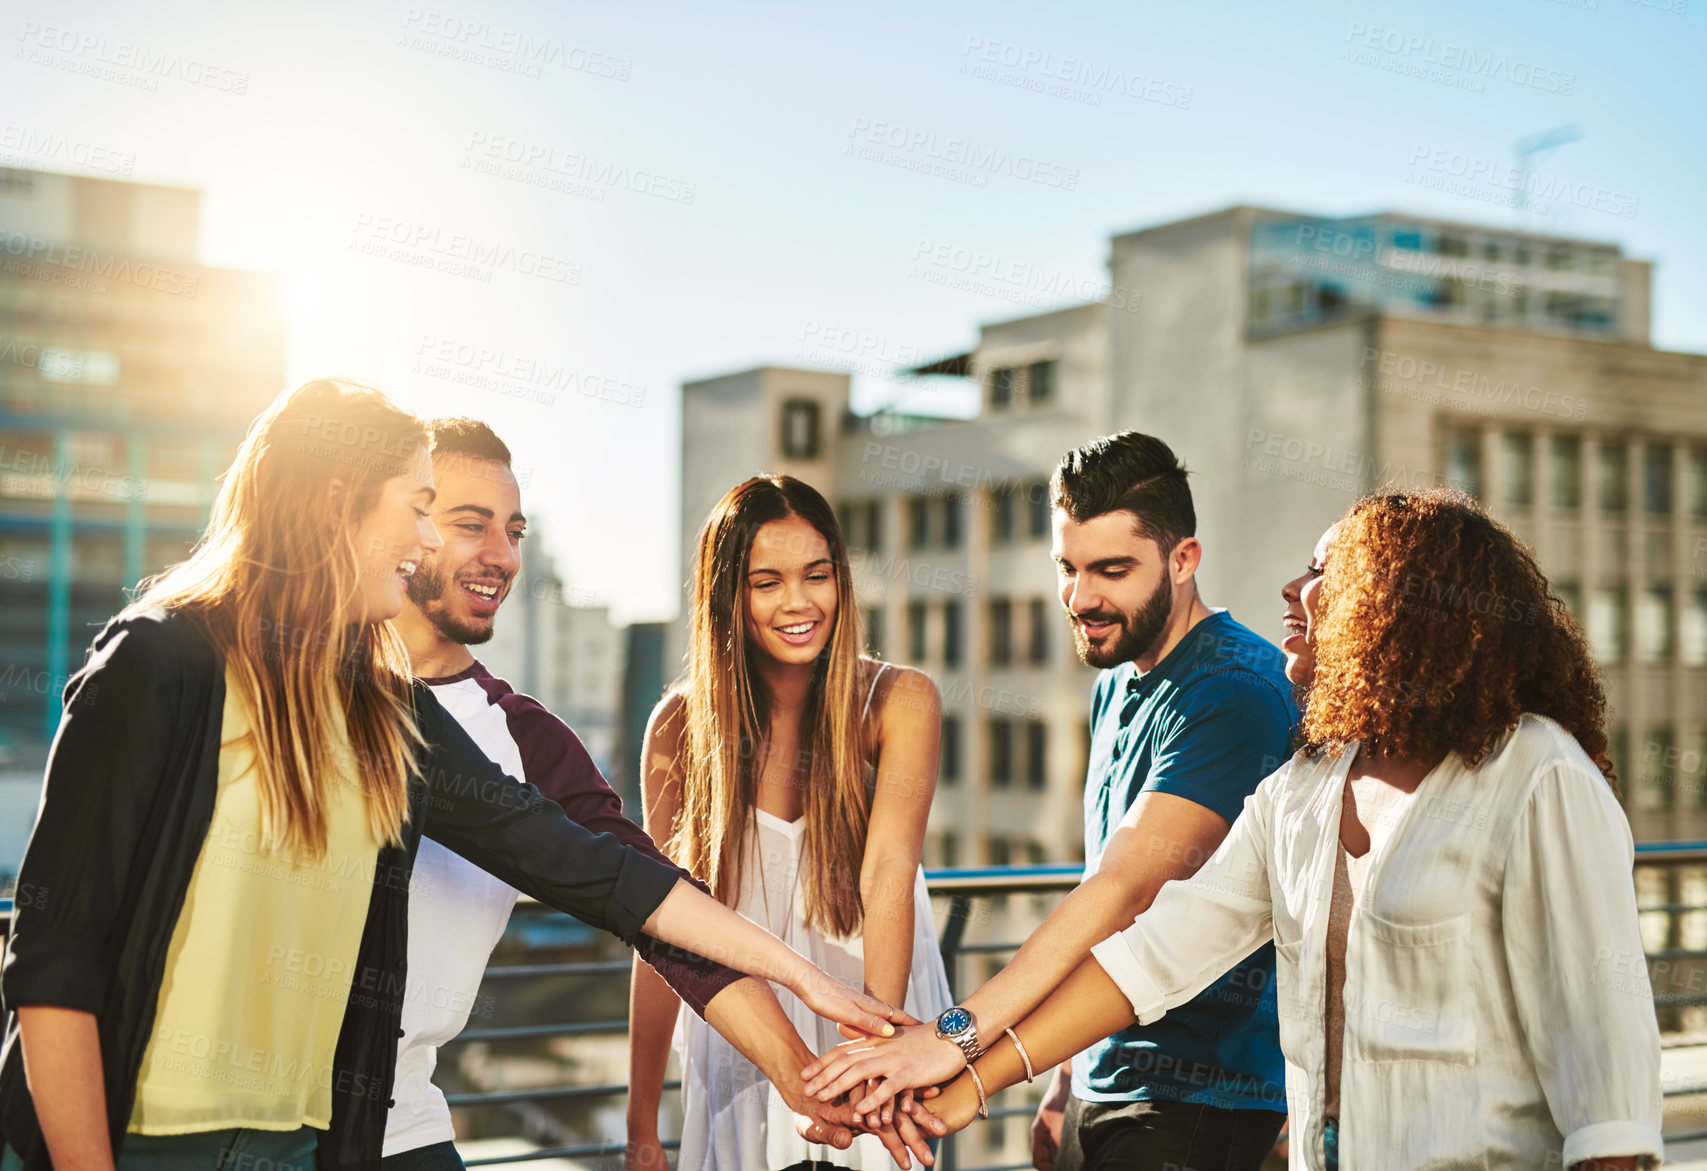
[1671, 881]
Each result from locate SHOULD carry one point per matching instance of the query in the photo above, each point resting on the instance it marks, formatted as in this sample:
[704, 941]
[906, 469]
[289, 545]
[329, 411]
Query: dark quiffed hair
[1437, 630]
[1137, 473]
[470, 437]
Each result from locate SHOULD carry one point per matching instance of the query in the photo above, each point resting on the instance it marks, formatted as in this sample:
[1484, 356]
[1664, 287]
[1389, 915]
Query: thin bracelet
[983, 1100]
[1023, 1055]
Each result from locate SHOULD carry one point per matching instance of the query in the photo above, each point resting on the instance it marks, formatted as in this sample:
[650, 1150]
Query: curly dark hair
[1437, 630]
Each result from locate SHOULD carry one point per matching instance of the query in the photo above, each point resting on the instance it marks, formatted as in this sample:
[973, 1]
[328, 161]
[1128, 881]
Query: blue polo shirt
[1207, 723]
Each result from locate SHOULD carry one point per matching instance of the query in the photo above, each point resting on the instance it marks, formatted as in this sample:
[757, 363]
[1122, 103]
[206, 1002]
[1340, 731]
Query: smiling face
[791, 591]
[478, 514]
[1114, 584]
[1302, 595]
[392, 538]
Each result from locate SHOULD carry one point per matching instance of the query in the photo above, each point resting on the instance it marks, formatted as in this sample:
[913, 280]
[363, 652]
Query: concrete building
[129, 372]
[1293, 362]
[550, 643]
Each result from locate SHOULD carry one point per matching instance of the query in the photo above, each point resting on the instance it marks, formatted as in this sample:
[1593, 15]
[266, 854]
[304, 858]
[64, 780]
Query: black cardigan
[128, 801]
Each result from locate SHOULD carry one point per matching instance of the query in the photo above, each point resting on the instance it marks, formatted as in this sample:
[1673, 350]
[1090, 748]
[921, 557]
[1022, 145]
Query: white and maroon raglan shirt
[457, 911]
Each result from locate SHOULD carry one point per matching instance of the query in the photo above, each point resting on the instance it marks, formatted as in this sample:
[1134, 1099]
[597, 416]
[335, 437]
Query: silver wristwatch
[956, 1025]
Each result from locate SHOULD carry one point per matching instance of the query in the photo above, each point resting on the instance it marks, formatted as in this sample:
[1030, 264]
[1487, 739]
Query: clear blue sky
[355, 120]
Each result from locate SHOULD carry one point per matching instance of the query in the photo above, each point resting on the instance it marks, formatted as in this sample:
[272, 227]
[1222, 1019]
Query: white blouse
[1497, 1006]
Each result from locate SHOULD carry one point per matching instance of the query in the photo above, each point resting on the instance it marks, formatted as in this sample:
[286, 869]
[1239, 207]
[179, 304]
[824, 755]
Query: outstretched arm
[1163, 838]
[1194, 931]
[1087, 1007]
[510, 830]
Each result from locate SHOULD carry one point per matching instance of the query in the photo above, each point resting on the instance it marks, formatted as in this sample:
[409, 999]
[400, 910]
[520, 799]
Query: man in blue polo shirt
[1191, 711]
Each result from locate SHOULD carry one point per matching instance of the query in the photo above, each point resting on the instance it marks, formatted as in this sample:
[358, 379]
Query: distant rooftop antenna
[1526, 153]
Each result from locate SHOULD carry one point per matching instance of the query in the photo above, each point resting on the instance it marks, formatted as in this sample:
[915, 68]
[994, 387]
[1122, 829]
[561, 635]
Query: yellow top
[260, 964]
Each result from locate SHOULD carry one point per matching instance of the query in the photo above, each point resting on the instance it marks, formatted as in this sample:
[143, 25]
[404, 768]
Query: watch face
[955, 1020]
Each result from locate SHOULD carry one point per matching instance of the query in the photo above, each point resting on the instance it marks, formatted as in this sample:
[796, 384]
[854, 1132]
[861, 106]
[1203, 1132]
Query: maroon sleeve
[559, 766]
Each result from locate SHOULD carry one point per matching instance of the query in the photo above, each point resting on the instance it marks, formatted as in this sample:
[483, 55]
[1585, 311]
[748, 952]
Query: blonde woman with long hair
[214, 972]
[795, 777]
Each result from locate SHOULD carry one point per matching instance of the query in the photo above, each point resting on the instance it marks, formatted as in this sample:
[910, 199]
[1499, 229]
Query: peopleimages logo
[86, 53]
[506, 49]
[34, 147]
[53, 257]
[457, 253]
[1080, 80]
[1411, 52]
[974, 158]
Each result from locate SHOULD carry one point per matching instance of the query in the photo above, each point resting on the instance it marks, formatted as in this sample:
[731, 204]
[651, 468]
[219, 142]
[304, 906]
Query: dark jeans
[1153, 1136]
[212, 1150]
[438, 1157]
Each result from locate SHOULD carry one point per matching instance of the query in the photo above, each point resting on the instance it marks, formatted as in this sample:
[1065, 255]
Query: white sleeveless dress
[732, 1118]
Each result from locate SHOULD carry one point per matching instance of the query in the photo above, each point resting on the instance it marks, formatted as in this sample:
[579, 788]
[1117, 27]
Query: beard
[1138, 630]
[426, 588]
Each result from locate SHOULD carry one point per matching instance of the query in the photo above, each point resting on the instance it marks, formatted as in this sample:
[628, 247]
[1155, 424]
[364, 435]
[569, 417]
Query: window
[1038, 650]
[1697, 486]
[917, 631]
[1559, 257]
[951, 634]
[1605, 626]
[1656, 479]
[1572, 595]
[1618, 748]
[1000, 849]
[951, 521]
[1001, 753]
[1001, 632]
[1653, 625]
[1692, 630]
[1656, 781]
[1464, 460]
[800, 428]
[874, 631]
[1037, 497]
[950, 849]
[918, 522]
[1691, 763]
[1036, 754]
[1452, 246]
[862, 524]
[1517, 452]
[948, 762]
[1040, 381]
[1612, 460]
[1002, 387]
[1567, 472]
[874, 525]
[1001, 517]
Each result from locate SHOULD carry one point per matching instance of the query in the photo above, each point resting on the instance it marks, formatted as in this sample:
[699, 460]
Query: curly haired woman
[1443, 867]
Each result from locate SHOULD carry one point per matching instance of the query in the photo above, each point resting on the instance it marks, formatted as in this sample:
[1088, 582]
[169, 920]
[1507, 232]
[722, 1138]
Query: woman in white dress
[795, 777]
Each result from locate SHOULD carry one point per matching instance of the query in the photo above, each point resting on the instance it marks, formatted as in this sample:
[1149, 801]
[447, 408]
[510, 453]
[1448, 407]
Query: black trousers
[438, 1157]
[1164, 1136]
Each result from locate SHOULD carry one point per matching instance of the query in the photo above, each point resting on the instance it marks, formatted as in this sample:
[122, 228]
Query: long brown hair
[275, 585]
[1437, 630]
[728, 714]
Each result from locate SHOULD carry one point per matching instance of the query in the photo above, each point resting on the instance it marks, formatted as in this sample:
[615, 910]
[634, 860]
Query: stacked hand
[901, 1124]
[913, 1058]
